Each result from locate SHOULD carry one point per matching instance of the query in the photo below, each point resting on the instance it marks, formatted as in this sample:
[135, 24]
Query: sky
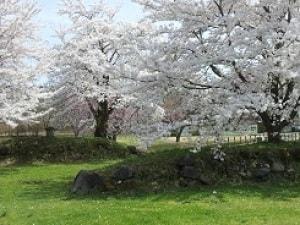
[129, 11]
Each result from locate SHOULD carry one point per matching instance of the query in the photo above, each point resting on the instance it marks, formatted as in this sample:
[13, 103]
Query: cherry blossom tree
[247, 52]
[158, 83]
[18, 59]
[90, 60]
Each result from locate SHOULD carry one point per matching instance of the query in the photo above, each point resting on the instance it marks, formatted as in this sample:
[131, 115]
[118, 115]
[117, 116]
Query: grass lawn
[38, 194]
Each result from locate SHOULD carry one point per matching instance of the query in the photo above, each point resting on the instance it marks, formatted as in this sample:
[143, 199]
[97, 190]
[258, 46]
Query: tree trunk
[49, 132]
[281, 92]
[273, 127]
[274, 137]
[101, 126]
[179, 133]
[76, 133]
[102, 117]
[114, 137]
[274, 134]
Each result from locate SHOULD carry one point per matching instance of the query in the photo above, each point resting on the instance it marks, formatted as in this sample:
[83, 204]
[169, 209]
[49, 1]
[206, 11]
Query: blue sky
[50, 20]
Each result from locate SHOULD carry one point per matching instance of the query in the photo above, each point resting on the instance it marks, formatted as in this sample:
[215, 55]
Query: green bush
[62, 148]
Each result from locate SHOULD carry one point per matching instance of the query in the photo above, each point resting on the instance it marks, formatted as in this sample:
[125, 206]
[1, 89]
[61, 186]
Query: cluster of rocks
[4, 151]
[190, 172]
[262, 171]
[91, 181]
[210, 170]
[267, 165]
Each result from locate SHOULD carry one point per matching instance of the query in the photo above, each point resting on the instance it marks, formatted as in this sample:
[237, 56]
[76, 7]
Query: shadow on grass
[7, 171]
[47, 190]
[44, 189]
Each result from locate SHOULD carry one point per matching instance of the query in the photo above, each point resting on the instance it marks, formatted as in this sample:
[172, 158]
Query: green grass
[39, 194]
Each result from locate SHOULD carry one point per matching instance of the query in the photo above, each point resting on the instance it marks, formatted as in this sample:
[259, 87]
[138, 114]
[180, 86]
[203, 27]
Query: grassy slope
[37, 194]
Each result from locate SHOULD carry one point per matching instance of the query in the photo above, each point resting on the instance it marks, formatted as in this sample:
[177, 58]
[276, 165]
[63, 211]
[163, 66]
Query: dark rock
[246, 154]
[186, 161]
[291, 171]
[291, 174]
[262, 173]
[233, 169]
[205, 180]
[190, 172]
[177, 183]
[277, 167]
[269, 157]
[183, 182]
[128, 184]
[243, 174]
[88, 182]
[246, 174]
[249, 173]
[192, 183]
[4, 151]
[254, 164]
[133, 150]
[123, 173]
[295, 153]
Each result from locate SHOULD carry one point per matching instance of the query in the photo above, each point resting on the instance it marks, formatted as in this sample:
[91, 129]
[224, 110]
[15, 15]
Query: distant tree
[73, 113]
[176, 114]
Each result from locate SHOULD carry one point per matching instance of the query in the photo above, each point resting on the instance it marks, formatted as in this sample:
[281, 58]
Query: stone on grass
[123, 173]
[186, 161]
[291, 174]
[4, 151]
[262, 173]
[190, 173]
[88, 182]
[296, 154]
[205, 180]
[277, 167]
[246, 174]
[133, 150]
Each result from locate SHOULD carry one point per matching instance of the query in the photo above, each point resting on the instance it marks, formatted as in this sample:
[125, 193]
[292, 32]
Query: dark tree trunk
[114, 137]
[274, 137]
[281, 91]
[50, 131]
[179, 133]
[274, 126]
[101, 126]
[101, 118]
[76, 133]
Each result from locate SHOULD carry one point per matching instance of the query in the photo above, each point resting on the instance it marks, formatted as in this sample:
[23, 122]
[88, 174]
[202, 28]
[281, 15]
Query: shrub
[63, 148]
